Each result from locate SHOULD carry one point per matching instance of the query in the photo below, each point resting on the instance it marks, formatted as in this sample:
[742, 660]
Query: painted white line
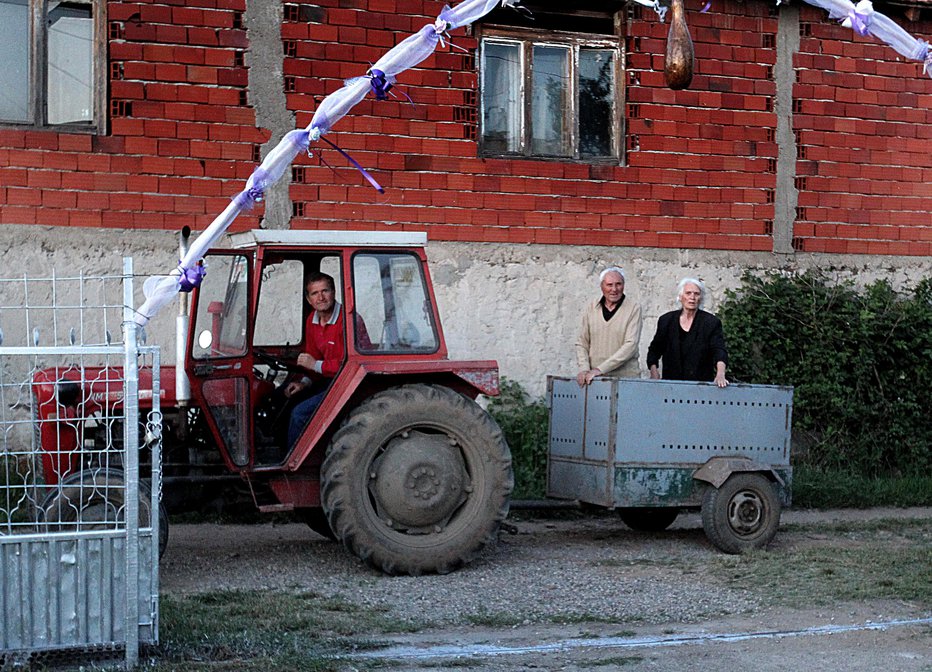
[488, 650]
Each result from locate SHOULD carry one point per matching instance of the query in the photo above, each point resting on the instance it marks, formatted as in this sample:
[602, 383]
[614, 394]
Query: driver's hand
[293, 388]
[306, 361]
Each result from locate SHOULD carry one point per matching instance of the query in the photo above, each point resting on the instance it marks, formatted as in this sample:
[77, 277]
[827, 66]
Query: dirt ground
[574, 594]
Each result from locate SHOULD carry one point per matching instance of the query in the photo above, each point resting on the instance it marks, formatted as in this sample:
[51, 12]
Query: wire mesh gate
[80, 478]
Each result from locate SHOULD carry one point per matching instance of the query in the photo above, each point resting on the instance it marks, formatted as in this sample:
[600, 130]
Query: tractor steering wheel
[277, 363]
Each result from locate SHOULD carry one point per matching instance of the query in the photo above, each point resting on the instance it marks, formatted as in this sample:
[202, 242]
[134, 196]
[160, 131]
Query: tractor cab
[250, 320]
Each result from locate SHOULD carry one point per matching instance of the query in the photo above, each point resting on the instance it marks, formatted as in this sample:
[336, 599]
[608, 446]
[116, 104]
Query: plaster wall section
[786, 196]
[517, 304]
[266, 93]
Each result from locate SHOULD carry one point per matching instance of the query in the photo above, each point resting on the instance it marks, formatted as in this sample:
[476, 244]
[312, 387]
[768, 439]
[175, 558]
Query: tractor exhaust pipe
[182, 384]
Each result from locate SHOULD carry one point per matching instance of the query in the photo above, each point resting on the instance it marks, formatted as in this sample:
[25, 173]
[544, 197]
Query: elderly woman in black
[689, 341]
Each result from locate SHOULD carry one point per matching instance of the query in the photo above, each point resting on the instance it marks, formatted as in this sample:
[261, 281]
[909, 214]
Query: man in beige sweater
[607, 344]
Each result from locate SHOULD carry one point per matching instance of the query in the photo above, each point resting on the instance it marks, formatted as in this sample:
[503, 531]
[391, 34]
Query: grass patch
[821, 489]
[263, 630]
[892, 561]
[613, 661]
[490, 620]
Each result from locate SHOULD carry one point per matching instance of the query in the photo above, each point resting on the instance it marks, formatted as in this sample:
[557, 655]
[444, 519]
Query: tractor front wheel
[94, 499]
[417, 480]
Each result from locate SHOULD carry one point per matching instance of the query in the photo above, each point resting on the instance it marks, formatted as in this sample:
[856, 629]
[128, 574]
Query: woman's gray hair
[691, 281]
[611, 269]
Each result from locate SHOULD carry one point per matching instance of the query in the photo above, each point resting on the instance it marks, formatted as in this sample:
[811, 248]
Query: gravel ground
[572, 570]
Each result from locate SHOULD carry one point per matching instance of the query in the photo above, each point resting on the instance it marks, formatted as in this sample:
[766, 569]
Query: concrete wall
[518, 304]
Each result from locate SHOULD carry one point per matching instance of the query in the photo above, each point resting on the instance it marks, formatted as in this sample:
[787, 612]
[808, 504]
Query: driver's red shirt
[325, 341]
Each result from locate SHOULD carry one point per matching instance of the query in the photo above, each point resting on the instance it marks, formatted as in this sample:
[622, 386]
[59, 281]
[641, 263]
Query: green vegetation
[15, 499]
[860, 361]
[524, 422]
[822, 489]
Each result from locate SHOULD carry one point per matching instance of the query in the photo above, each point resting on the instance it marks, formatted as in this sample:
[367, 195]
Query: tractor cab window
[392, 300]
[282, 307]
[279, 318]
[222, 308]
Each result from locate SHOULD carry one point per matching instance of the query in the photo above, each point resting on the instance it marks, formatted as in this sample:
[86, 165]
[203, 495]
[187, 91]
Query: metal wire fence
[80, 483]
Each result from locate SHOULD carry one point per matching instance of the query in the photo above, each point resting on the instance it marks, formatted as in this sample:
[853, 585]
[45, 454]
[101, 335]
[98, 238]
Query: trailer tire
[417, 480]
[743, 514]
[648, 519]
[97, 494]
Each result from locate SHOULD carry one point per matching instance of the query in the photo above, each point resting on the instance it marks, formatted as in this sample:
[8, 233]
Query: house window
[551, 94]
[51, 53]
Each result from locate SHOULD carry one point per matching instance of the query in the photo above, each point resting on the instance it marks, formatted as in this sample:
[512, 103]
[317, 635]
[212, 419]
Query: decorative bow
[254, 191]
[190, 277]
[859, 19]
[380, 84]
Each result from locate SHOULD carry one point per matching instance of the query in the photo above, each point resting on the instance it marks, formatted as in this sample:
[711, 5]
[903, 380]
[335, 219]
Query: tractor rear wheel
[417, 480]
[94, 499]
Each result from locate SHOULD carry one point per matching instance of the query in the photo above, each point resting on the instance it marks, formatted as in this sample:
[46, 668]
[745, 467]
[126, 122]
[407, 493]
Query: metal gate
[80, 477]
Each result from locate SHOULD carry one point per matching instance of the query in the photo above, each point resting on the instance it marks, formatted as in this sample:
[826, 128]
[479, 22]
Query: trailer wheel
[743, 514]
[647, 519]
[417, 480]
[94, 500]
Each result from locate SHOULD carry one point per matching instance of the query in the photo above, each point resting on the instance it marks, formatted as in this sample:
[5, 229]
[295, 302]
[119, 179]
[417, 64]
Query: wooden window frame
[528, 39]
[38, 81]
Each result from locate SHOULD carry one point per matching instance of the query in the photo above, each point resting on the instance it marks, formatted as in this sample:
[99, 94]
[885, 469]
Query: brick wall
[700, 169]
[863, 119]
[182, 139]
[701, 163]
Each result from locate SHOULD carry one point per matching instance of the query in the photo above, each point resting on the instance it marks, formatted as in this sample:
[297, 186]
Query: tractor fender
[717, 470]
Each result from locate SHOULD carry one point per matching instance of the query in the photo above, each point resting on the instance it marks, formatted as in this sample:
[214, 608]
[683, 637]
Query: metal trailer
[651, 448]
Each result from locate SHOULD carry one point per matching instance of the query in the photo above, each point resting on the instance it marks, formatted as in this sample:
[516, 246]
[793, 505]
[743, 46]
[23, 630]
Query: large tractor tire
[93, 499]
[743, 514]
[417, 480]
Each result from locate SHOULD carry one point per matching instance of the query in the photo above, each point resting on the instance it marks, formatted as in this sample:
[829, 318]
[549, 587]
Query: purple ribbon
[381, 86]
[860, 22]
[706, 7]
[249, 197]
[190, 277]
[356, 165]
[379, 83]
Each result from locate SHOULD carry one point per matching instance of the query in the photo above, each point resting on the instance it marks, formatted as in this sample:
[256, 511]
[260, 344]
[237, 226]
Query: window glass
[229, 406]
[281, 304]
[220, 326]
[70, 63]
[14, 53]
[558, 98]
[501, 88]
[596, 102]
[549, 97]
[393, 304]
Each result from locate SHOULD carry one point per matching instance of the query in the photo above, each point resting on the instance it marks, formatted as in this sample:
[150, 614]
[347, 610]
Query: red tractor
[398, 461]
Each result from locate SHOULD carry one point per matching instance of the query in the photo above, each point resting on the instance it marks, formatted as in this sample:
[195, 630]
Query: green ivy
[524, 422]
[860, 361]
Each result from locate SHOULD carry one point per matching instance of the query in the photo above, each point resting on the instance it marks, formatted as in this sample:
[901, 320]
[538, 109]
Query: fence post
[131, 465]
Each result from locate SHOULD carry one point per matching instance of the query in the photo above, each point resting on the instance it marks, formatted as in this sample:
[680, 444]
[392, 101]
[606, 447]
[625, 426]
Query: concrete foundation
[518, 304]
